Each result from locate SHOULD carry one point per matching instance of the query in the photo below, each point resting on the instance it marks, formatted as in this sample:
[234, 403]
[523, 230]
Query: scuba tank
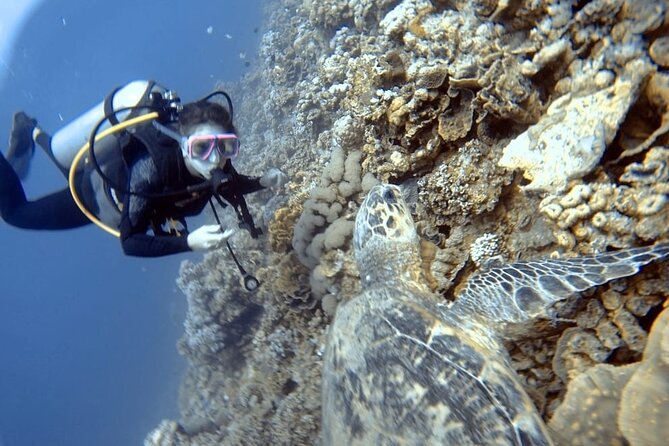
[67, 141]
[94, 175]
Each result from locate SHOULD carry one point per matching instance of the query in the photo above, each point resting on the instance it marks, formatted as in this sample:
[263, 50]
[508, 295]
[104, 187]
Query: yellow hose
[80, 154]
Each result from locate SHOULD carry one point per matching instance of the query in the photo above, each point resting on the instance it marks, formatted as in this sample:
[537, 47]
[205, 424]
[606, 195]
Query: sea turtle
[403, 367]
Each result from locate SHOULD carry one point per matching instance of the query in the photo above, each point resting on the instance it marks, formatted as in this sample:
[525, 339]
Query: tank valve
[170, 104]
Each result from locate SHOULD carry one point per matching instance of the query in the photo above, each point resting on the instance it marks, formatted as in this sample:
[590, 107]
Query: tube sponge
[321, 226]
[334, 171]
[337, 233]
[352, 175]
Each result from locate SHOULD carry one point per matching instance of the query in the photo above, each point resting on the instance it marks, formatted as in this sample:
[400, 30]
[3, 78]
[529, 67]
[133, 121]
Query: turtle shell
[401, 370]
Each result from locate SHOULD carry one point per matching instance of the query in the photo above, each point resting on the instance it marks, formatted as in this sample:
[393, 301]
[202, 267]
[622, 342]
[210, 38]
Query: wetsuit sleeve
[136, 217]
[248, 185]
[242, 184]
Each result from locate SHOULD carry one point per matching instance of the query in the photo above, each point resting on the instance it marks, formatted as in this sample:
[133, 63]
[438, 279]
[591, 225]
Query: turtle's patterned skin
[402, 368]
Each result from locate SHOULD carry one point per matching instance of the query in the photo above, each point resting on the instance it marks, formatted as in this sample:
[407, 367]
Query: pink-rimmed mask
[201, 146]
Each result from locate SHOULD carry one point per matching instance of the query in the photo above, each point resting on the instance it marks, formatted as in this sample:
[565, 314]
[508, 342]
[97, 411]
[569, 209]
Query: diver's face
[203, 167]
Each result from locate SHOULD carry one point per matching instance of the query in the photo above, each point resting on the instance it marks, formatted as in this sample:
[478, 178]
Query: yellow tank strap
[80, 155]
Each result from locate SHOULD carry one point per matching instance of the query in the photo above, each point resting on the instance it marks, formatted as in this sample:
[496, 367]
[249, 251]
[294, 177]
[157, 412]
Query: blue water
[87, 335]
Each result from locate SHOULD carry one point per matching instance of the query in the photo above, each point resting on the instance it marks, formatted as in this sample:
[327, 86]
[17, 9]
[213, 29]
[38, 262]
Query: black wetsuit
[154, 181]
[52, 212]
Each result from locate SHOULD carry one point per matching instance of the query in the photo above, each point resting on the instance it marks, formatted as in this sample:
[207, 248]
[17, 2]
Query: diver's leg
[21, 144]
[43, 139]
[55, 211]
[24, 134]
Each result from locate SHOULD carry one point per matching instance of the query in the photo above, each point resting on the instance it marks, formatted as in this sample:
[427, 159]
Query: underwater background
[87, 335]
[521, 130]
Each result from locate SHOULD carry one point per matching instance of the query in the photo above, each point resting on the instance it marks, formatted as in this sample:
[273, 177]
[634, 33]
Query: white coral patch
[570, 139]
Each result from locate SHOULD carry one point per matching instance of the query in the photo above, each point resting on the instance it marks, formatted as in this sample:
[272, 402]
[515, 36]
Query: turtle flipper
[523, 291]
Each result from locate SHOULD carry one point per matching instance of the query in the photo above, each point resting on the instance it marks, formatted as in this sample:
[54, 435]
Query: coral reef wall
[517, 128]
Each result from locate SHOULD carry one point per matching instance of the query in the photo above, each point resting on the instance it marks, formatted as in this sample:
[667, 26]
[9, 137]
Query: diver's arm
[248, 185]
[273, 178]
[136, 218]
[242, 184]
[140, 244]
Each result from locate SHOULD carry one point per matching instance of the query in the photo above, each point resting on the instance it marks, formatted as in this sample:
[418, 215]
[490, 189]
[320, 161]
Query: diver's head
[207, 137]
[208, 146]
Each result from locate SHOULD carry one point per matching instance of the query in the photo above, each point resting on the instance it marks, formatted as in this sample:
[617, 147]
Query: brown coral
[280, 230]
[590, 409]
[645, 399]
[380, 79]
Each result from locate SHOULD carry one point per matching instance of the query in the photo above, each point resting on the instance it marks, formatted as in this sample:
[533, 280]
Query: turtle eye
[389, 196]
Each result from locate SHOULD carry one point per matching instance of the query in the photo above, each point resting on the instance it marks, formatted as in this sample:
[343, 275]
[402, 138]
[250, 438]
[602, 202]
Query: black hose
[250, 282]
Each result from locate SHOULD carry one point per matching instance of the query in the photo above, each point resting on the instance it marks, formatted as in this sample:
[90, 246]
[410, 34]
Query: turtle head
[384, 239]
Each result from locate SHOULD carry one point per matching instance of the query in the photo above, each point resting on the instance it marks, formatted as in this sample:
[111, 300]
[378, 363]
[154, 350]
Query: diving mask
[200, 147]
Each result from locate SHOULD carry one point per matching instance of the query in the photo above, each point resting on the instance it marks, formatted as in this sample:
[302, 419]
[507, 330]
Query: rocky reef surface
[518, 129]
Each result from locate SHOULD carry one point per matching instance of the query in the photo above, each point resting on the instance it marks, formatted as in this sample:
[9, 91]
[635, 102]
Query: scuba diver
[148, 163]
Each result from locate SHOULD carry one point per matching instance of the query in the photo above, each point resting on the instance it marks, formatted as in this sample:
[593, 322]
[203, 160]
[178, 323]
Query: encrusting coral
[542, 122]
[569, 140]
[604, 214]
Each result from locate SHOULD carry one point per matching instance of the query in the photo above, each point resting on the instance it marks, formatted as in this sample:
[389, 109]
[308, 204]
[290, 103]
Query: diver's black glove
[219, 180]
[21, 143]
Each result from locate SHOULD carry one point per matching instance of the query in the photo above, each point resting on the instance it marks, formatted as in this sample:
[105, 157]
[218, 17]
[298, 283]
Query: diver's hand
[208, 237]
[273, 178]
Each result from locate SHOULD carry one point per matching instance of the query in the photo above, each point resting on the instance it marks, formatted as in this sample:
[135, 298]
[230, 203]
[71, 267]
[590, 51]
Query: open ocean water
[87, 335]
